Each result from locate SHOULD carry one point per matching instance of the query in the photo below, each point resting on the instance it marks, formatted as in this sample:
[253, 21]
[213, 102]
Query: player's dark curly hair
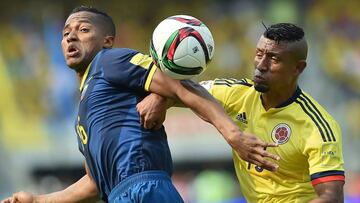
[107, 19]
[284, 32]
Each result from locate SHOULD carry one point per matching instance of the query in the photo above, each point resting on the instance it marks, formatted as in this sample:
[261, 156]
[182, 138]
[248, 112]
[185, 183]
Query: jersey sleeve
[226, 90]
[325, 157]
[126, 67]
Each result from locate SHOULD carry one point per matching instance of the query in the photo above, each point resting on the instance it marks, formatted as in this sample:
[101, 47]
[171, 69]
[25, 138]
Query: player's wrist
[231, 134]
[45, 198]
[39, 199]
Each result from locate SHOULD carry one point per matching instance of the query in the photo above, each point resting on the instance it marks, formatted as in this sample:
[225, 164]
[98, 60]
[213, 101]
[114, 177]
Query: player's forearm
[327, 199]
[84, 190]
[198, 99]
[331, 191]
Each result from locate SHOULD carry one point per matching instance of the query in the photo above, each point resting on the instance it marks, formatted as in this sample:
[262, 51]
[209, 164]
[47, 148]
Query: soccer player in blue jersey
[124, 161]
[273, 107]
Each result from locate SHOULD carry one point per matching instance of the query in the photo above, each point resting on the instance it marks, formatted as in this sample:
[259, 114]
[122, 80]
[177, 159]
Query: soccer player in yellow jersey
[273, 107]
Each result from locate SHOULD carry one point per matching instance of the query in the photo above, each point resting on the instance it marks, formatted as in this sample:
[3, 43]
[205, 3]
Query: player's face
[82, 39]
[274, 66]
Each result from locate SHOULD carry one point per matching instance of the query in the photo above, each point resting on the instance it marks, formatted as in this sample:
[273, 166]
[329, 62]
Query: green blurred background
[38, 147]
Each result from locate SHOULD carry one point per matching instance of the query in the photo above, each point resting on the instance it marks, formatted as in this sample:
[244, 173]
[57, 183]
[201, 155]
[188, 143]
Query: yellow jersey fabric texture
[310, 145]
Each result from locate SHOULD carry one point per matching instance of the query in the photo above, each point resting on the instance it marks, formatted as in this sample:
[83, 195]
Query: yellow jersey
[309, 142]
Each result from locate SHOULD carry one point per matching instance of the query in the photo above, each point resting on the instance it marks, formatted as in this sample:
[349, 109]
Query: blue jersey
[110, 136]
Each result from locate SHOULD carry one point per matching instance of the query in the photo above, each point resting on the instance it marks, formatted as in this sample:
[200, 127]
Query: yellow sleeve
[150, 77]
[229, 91]
[145, 62]
[325, 158]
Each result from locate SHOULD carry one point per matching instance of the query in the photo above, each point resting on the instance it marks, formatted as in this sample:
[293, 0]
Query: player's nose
[71, 37]
[262, 65]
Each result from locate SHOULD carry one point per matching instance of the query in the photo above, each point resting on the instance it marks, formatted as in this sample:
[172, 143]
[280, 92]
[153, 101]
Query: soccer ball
[182, 46]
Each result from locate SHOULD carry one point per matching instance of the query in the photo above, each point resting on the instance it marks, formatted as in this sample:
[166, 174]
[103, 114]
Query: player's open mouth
[72, 51]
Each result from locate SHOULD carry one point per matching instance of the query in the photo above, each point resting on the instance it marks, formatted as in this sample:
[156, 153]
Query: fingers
[268, 165]
[261, 155]
[13, 199]
[149, 125]
[265, 144]
[262, 162]
[264, 153]
[142, 120]
[140, 115]
[262, 150]
[271, 145]
[8, 200]
[157, 126]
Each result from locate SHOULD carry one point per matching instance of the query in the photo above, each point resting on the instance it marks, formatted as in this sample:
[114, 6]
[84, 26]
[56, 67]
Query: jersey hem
[328, 179]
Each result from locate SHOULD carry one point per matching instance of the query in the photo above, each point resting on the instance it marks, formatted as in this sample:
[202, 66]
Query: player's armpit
[331, 191]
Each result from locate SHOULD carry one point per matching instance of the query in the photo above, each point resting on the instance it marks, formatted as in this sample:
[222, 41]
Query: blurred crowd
[39, 93]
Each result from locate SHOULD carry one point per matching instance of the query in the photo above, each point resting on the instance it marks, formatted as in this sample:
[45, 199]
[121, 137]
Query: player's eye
[84, 29]
[65, 33]
[259, 54]
[275, 59]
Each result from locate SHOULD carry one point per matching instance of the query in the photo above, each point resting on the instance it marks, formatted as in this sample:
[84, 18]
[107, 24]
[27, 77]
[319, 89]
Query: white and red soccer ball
[182, 46]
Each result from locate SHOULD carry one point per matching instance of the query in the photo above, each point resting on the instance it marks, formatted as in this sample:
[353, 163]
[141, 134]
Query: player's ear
[300, 66]
[108, 42]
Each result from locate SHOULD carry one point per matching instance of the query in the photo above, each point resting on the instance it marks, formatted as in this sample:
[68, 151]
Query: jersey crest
[281, 133]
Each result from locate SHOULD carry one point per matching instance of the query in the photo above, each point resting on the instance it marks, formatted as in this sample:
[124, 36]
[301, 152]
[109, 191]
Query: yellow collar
[84, 77]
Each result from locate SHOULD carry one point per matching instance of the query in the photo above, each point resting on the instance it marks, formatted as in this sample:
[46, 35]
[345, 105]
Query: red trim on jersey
[327, 179]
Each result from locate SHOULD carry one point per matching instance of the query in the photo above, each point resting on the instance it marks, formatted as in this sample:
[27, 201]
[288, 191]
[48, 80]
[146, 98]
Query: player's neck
[79, 76]
[80, 73]
[274, 99]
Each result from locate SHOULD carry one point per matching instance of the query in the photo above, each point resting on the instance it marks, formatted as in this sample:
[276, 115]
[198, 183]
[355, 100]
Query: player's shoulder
[227, 83]
[317, 117]
[232, 82]
[116, 53]
[310, 106]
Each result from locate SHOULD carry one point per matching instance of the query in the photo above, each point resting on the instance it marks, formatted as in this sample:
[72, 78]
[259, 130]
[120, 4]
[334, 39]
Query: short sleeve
[325, 157]
[126, 67]
[224, 90]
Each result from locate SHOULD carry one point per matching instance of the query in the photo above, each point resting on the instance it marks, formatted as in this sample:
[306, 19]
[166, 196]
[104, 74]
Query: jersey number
[81, 132]
[257, 168]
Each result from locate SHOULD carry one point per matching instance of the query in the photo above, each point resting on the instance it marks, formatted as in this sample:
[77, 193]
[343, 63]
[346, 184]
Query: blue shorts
[146, 187]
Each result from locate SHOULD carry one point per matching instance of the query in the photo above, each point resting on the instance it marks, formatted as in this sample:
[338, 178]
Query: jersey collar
[292, 98]
[85, 77]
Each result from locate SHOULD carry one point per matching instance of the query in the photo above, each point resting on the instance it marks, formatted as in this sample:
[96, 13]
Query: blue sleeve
[127, 67]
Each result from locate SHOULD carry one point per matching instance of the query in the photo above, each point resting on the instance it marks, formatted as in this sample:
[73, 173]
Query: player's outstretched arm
[331, 191]
[249, 147]
[84, 190]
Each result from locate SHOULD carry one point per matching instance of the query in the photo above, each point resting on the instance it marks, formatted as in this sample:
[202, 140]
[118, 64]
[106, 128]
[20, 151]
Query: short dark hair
[284, 32]
[107, 19]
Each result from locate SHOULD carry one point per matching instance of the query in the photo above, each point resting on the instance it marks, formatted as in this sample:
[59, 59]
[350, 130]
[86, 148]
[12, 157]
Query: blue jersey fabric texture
[110, 135]
[146, 187]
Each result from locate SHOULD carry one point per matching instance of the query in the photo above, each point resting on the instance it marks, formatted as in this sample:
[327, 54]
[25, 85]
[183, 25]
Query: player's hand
[152, 111]
[20, 197]
[250, 148]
